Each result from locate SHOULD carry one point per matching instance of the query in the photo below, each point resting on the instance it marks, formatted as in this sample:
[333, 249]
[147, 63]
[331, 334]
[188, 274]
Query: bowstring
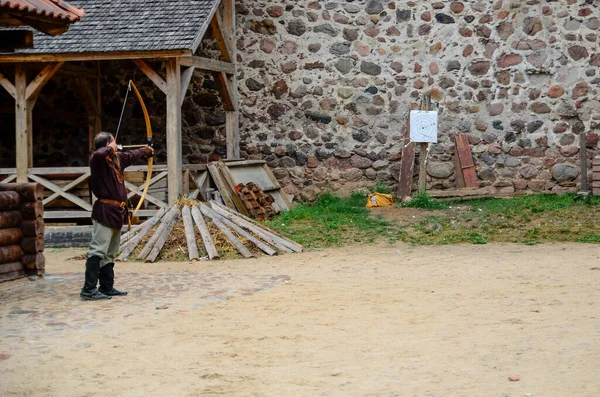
[116, 135]
[123, 109]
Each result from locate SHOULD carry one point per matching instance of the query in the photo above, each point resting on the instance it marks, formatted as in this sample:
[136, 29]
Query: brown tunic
[107, 181]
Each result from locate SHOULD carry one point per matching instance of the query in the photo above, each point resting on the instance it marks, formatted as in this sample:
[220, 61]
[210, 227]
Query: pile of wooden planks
[21, 230]
[198, 215]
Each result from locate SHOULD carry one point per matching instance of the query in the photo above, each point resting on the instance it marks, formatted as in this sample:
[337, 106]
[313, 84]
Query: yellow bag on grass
[379, 200]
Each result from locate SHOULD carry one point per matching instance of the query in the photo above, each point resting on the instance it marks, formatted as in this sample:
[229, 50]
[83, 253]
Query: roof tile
[128, 26]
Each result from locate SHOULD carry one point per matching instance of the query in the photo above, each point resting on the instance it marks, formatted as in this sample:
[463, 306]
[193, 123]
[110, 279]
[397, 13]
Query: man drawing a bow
[109, 213]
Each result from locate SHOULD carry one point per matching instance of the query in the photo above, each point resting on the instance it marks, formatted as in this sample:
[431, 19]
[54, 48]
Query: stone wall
[325, 86]
[324, 89]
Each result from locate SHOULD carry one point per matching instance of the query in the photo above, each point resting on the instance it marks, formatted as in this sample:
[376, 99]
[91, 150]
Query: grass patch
[424, 201]
[331, 221]
[589, 238]
[533, 219]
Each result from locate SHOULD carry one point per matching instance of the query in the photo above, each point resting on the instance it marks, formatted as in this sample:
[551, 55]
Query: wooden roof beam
[8, 86]
[34, 88]
[102, 56]
[222, 39]
[227, 90]
[186, 78]
[152, 75]
[204, 27]
[212, 65]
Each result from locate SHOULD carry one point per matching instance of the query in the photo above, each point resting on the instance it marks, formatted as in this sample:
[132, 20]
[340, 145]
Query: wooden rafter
[222, 41]
[204, 27]
[227, 91]
[212, 65]
[14, 58]
[186, 78]
[89, 95]
[152, 75]
[36, 85]
[8, 86]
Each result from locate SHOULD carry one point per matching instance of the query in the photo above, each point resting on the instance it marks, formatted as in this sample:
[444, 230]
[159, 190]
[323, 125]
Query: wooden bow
[149, 137]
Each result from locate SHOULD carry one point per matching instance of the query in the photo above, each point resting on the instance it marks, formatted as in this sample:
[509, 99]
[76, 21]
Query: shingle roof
[56, 9]
[129, 26]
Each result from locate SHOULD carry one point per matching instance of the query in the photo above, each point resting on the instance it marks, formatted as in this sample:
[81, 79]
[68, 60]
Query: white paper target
[423, 126]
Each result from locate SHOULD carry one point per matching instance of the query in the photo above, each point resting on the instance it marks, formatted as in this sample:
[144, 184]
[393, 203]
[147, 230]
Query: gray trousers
[105, 243]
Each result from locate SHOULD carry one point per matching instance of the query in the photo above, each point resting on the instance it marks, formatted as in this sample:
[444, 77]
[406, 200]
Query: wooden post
[175, 187]
[29, 121]
[583, 160]
[423, 151]
[408, 159]
[98, 118]
[231, 118]
[21, 114]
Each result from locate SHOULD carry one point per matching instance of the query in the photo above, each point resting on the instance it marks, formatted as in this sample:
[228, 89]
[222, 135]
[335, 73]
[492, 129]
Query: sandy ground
[376, 320]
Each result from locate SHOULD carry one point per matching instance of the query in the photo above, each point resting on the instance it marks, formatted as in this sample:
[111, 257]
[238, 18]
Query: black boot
[107, 280]
[89, 290]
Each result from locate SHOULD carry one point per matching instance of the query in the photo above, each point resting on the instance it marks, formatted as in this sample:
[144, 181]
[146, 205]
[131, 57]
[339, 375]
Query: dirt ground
[374, 320]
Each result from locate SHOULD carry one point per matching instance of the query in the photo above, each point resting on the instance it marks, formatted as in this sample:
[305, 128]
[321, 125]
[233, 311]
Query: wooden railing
[68, 196]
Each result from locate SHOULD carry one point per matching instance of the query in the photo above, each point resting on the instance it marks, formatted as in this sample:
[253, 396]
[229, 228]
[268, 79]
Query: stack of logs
[229, 222]
[21, 230]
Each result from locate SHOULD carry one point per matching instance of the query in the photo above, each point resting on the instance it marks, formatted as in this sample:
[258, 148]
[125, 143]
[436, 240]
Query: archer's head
[103, 139]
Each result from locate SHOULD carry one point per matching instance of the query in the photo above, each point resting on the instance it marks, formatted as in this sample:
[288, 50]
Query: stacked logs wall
[21, 230]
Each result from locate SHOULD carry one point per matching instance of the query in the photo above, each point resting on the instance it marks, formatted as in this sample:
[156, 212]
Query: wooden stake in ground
[209, 244]
[190, 236]
[424, 150]
[583, 161]
[236, 243]
[407, 163]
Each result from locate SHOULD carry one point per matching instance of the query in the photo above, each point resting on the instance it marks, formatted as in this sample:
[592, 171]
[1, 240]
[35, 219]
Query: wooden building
[51, 17]
[125, 30]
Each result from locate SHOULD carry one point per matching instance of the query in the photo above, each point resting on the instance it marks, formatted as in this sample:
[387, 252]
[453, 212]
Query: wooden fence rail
[67, 194]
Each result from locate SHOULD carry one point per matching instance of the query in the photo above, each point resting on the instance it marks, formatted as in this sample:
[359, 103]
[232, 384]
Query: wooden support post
[231, 119]
[21, 114]
[25, 97]
[583, 160]
[91, 104]
[98, 118]
[423, 151]
[186, 77]
[174, 130]
[408, 159]
[151, 74]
